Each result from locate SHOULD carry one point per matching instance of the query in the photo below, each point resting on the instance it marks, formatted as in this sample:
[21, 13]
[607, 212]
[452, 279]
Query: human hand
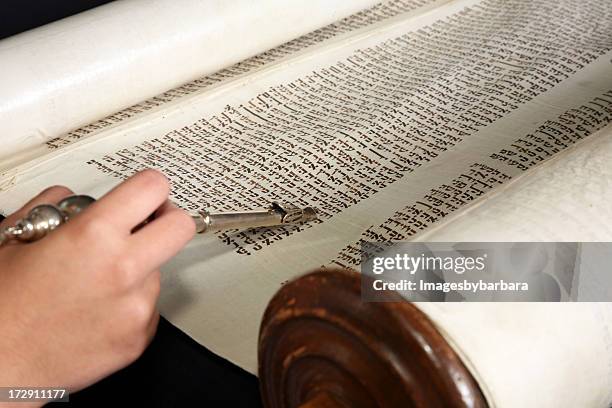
[81, 303]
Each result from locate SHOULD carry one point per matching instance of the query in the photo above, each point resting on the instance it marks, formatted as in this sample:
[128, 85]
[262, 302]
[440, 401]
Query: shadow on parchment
[198, 250]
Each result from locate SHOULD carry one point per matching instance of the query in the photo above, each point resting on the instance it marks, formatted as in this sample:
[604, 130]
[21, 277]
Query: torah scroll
[390, 122]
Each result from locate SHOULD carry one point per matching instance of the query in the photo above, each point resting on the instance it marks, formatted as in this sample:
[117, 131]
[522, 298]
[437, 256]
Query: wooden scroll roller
[320, 345]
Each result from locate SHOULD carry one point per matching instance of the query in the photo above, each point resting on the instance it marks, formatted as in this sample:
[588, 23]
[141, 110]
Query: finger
[162, 238]
[50, 195]
[132, 201]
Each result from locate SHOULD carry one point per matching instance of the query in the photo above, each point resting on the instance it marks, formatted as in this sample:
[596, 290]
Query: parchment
[538, 354]
[72, 72]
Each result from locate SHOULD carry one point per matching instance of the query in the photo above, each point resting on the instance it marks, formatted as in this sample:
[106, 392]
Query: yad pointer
[45, 218]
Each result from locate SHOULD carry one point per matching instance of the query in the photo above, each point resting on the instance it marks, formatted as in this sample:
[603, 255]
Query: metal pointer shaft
[275, 214]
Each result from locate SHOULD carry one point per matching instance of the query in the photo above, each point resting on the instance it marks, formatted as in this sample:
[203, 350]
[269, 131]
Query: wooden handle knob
[321, 346]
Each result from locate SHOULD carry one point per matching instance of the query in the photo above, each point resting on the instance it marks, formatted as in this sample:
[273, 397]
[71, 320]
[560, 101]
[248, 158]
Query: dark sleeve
[174, 371]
